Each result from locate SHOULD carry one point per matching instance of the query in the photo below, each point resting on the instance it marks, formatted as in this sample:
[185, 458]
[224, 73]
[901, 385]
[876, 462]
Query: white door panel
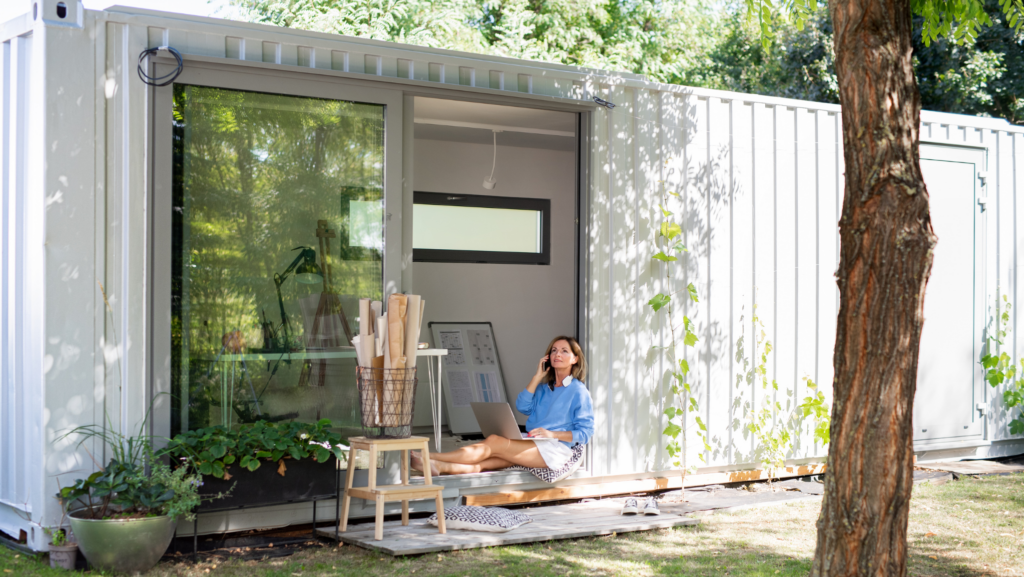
[948, 371]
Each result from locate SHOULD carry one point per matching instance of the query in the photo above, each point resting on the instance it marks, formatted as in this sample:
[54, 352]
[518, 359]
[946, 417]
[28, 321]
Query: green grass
[966, 528]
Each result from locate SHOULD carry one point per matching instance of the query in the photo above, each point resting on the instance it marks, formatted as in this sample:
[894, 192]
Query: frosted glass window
[478, 229]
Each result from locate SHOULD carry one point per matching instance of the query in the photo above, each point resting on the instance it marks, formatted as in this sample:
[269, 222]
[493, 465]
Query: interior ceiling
[437, 111]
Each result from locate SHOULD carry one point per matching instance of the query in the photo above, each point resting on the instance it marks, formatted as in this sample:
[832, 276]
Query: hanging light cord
[494, 163]
[166, 78]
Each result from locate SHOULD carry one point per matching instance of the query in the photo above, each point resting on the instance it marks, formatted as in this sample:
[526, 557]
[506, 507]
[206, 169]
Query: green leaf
[206, 468]
[664, 257]
[690, 339]
[665, 213]
[659, 301]
[670, 230]
[681, 248]
[673, 430]
[693, 292]
[700, 424]
[684, 366]
[1016, 427]
[229, 459]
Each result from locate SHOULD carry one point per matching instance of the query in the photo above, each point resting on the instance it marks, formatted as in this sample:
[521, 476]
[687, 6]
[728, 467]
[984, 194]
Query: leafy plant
[999, 369]
[214, 449]
[681, 391]
[124, 488]
[774, 439]
[772, 429]
[816, 406]
[58, 537]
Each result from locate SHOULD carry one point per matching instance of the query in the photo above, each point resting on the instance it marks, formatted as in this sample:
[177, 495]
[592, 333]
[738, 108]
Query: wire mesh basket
[386, 401]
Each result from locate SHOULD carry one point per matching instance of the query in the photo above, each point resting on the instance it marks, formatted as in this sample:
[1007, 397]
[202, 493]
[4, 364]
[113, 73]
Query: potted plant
[63, 552]
[263, 463]
[125, 514]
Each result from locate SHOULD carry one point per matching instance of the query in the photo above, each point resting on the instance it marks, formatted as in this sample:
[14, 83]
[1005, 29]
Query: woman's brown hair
[579, 370]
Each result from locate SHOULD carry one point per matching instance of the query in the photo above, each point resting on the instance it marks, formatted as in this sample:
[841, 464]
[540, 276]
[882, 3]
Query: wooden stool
[404, 492]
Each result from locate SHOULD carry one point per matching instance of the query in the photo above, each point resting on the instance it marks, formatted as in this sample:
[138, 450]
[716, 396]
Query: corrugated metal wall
[758, 197]
[760, 192]
[21, 304]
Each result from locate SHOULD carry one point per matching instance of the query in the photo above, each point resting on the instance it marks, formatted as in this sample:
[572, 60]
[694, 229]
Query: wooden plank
[396, 494]
[636, 486]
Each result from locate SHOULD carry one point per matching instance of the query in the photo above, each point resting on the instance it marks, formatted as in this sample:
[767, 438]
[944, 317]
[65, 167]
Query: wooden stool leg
[405, 481]
[425, 453]
[378, 524]
[440, 513]
[372, 469]
[349, 476]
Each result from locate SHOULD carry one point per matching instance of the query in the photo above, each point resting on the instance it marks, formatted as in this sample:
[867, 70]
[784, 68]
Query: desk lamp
[306, 272]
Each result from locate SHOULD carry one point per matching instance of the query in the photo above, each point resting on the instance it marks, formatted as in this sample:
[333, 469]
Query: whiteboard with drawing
[472, 371]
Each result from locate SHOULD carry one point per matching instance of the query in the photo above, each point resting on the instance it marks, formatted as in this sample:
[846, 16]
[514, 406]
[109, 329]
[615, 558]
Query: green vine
[773, 431]
[999, 369]
[680, 390]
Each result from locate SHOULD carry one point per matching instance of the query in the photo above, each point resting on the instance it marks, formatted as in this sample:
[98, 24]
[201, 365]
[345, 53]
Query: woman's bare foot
[417, 463]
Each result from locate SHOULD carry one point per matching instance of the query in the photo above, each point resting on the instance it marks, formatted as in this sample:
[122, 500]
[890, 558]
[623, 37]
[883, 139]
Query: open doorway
[534, 157]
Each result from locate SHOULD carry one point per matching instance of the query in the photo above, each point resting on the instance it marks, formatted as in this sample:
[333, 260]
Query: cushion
[555, 475]
[490, 519]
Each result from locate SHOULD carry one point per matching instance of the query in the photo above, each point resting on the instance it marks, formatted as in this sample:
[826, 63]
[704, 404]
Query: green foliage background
[692, 42]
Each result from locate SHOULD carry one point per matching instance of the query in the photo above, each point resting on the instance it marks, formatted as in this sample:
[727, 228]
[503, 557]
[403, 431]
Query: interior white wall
[527, 304]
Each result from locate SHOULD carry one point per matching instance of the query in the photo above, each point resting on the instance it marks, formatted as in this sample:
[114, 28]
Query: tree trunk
[886, 242]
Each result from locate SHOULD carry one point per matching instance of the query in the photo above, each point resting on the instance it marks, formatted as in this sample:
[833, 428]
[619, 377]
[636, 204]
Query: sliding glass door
[276, 230]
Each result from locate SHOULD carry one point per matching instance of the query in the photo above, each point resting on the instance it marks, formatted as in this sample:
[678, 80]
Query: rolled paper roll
[366, 319]
[397, 305]
[382, 325]
[378, 375]
[412, 329]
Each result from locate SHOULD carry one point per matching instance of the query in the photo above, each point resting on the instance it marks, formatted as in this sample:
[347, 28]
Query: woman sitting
[560, 409]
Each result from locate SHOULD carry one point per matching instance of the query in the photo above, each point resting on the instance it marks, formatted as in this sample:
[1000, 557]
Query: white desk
[338, 353]
[435, 407]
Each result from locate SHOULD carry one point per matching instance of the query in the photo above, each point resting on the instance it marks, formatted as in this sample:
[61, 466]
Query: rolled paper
[378, 375]
[365, 318]
[378, 309]
[397, 304]
[382, 325]
[386, 352]
[412, 329]
[367, 346]
[357, 343]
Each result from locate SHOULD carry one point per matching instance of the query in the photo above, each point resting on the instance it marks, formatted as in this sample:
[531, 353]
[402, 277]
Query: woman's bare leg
[491, 464]
[515, 452]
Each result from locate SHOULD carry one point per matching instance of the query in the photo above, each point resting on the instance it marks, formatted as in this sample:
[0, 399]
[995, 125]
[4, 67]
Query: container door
[949, 376]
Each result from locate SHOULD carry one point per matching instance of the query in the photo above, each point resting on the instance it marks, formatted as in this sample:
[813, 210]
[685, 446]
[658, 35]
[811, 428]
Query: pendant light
[489, 182]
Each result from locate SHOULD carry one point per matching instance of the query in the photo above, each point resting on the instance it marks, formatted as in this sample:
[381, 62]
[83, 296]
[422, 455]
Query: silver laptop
[497, 419]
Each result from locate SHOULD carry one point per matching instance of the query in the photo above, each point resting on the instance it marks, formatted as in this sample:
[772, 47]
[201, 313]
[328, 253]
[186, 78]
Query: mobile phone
[546, 365]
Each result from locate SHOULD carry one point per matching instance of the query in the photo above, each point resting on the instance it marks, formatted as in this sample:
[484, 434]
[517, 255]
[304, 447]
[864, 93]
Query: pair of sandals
[650, 507]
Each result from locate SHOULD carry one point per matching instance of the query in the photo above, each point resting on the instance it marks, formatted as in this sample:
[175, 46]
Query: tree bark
[886, 243]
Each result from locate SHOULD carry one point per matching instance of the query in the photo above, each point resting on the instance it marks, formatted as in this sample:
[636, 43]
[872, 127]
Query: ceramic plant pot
[63, 556]
[123, 545]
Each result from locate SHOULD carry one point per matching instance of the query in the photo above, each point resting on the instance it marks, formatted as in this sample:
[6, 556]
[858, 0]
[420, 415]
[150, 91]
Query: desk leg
[405, 481]
[378, 523]
[437, 421]
[349, 476]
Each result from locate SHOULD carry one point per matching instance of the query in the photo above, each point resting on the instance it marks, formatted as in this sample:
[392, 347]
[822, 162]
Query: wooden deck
[549, 523]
